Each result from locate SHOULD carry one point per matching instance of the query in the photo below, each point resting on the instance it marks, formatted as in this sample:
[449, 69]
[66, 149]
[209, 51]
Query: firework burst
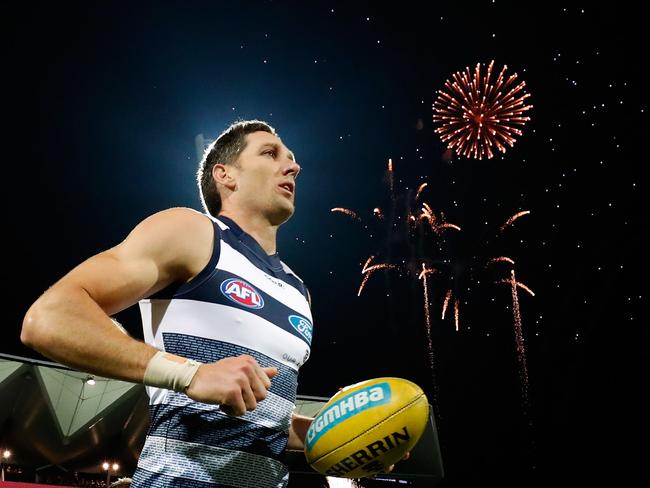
[410, 237]
[478, 115]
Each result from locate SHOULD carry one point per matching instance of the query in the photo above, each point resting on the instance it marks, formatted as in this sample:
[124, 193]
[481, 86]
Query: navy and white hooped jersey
[243, 302]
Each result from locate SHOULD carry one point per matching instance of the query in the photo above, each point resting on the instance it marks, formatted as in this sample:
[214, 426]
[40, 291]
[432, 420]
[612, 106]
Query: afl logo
[302, 325]
[242, 293]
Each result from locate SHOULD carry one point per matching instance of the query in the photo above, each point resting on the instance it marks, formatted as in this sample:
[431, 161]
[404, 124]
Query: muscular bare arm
[70, 322]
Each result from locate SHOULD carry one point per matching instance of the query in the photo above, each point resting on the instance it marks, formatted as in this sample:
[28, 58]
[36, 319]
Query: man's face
[266, 176]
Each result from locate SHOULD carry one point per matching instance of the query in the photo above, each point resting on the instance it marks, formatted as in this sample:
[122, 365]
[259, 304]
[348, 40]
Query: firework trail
[437, 224]
[513, 218]
[423, 276]
[419, 192]
[518, 284]
[365, 266]
[414, 233]
[391, 179]
[519, 338]
[447, 225]
[477, 115]
[427, 315]
[348, 212]
[501, 259]
[368, 271]
[445, 304]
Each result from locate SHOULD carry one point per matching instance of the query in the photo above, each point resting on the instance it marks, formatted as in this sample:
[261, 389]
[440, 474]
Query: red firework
[477, 114]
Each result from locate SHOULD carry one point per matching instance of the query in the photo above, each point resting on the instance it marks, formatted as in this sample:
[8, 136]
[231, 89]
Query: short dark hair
[224, 150]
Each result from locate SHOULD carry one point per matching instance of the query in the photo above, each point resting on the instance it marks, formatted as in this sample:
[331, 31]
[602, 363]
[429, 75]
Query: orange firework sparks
[478, 115]
[423, 276]
[524, 287]
[378, 214]
[518, 284]
[447, 225]
[513, 218]
[347, 212]
[427, 317]
[391, 178]
[368, 271]
[420, 188]
[519, 338]
[445, 304]
[377, 267]
[437, 224]
[426, 271]
[456, 312]
[365, 266]
[500, 259]
[365, 279]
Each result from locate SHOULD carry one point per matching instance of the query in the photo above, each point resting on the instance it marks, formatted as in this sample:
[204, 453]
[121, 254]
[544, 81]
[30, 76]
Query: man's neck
[257, 227]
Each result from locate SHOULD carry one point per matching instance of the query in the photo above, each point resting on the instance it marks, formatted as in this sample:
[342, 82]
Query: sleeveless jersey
[243, 302]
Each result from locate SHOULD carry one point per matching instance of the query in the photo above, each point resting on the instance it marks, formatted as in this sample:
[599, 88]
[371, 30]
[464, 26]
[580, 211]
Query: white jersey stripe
[234, 262]
[229, 324]
[209, 464]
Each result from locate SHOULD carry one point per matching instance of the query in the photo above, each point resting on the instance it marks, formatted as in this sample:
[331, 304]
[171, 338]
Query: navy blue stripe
[214, 429]
[178, 288]
[206, 350]
[293, 281]
[249, 247]
[200, 278]
[146, 479]
[273, 310]
[246, 245]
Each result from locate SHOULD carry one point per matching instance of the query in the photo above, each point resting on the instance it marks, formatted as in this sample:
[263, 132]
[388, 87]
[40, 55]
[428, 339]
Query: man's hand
[298, 432]
[235, 383]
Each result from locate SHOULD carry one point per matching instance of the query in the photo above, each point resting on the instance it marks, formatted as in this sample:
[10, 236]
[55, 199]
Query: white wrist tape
[166, 373]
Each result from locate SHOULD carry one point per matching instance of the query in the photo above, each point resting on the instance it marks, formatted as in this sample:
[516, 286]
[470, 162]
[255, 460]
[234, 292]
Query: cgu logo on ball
[302, 325]
[242, 293]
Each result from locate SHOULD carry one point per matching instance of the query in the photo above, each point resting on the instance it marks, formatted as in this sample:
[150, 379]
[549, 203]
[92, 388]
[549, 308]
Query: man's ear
[222, 175]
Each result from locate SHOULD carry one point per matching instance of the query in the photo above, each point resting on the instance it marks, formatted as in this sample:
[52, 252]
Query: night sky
[102, 104]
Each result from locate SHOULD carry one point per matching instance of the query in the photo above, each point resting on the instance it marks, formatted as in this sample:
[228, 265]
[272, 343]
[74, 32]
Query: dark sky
[102, 103]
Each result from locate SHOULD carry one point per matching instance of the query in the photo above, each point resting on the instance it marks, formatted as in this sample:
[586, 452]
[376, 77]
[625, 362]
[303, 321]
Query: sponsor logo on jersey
[292, 359]
[274, 281]
[346, 407]
[302, 325]
[242, 293]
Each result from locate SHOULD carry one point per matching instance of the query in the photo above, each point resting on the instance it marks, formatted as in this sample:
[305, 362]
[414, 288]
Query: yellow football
[366, 427]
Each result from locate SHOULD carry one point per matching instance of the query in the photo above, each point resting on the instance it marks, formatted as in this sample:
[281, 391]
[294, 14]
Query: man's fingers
[263, 377]
[271, 372]
[249, 398]
[234, 405]
[257, 384]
